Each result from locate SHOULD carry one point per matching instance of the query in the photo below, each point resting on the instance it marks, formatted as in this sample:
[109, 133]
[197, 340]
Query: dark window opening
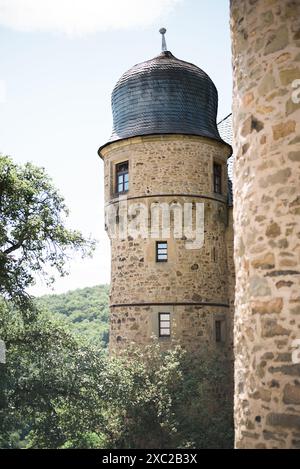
[214, 254]
[217, 178]
[161, 251]
[164, 323]
[218, 326]
[220, 330]
[122, 177]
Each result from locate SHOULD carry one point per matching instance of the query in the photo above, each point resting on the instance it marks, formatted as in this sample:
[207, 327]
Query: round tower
[166, 197]
[266, 107]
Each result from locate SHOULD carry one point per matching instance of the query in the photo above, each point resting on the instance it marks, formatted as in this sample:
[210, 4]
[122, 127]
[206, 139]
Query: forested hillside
[84, 309]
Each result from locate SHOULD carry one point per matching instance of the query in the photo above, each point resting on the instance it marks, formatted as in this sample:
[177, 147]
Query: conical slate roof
[164, 95]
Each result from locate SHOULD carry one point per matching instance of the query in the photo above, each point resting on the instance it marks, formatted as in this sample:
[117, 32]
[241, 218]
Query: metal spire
[163, 39]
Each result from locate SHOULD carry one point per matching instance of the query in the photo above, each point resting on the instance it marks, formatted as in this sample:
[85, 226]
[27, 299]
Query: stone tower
[266, 110]
[166, 151]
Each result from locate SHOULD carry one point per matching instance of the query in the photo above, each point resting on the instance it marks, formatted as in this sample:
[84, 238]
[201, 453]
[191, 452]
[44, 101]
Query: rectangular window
[122, 177]
[218, 329]
[217, 178]
[161, 251]
[214, 254]
[164, 324]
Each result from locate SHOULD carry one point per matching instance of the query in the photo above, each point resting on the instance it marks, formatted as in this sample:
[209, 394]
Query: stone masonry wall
[170, 169]
[266, 61]
[166, 164]
[192, 327]
[229, 240]
[189, 274]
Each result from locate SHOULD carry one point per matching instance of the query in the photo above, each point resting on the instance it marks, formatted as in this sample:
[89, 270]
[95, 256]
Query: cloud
[78, 17]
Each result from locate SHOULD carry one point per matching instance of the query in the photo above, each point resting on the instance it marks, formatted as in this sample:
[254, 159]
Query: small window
[164, 324]
[161, 251]
[214, 257]
[122, 177]
[220, 330]
[217, 178]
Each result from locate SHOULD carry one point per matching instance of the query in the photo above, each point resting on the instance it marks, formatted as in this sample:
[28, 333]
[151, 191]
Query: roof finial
[163, 42]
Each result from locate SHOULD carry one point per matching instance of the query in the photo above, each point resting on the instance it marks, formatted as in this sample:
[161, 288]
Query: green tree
[168, 399]
[33, 235]
[59, 391]
[84, 309]
[49, 387]
[33, 241]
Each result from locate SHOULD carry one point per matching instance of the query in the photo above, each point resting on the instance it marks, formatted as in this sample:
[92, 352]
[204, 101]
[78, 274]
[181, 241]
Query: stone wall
[229, 241]
[166, 164]
[266, 61]
[192, 326]
[194, 284]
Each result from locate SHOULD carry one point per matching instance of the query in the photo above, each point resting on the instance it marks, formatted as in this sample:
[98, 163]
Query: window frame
[217, 178]
[218, 331]
[160, 321]
[157, 254]
[214, 254]
[122, 173]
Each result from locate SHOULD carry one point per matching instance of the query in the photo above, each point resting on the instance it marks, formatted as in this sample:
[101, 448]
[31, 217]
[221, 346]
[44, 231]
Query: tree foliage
[33, 235]
[168, 399]
[58, 389]
[61, 392]
[85, 310]
[50, 373]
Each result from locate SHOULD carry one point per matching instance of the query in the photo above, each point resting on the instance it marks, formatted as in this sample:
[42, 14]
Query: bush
[58, 391]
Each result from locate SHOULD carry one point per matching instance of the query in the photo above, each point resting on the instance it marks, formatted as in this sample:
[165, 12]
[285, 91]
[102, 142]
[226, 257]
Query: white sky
[59, 64]
[79, 17]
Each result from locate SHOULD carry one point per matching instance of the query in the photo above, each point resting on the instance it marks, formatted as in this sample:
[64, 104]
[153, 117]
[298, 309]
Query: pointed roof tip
[163, 39]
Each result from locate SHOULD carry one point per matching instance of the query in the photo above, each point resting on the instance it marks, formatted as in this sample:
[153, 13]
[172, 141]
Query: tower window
[217, 178]
[164, 324]
[214, 254]
[161, 251]
[122, 177]
[220, 330]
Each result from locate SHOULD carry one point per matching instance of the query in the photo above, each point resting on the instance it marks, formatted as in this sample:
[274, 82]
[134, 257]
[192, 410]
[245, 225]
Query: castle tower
[166, 151]
[266, 111]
